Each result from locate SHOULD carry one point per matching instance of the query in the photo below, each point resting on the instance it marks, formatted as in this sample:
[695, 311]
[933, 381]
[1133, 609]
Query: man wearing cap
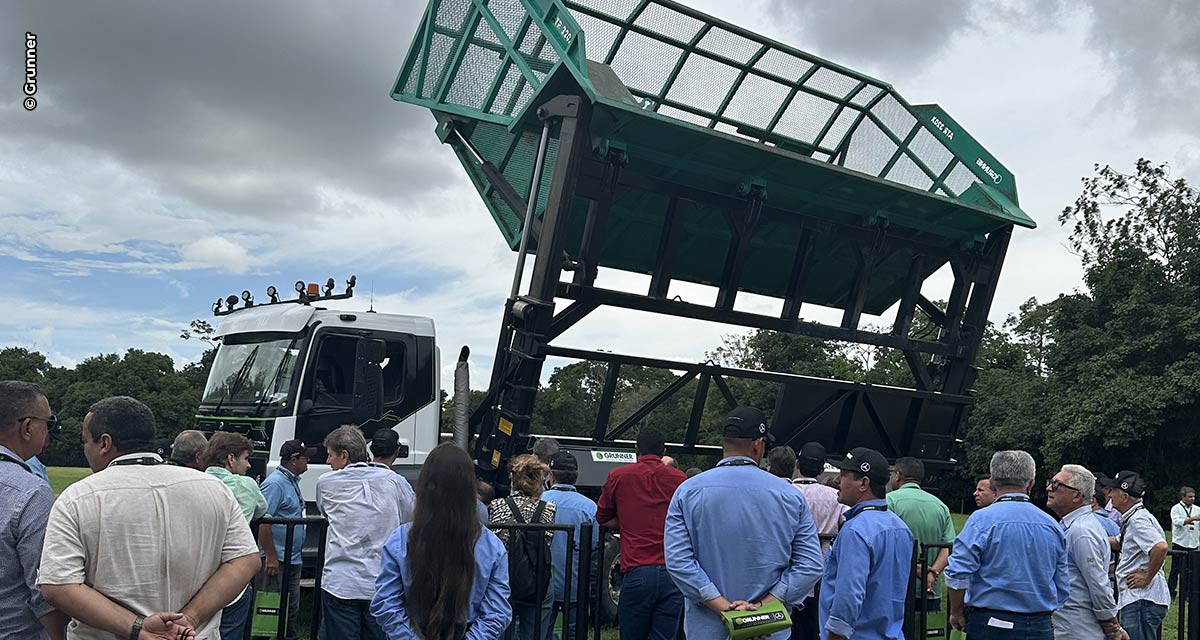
[867, 571]
[1009, 563]
[634, 499]
[827, 515]
[284, 500]
[1185, 535]
[1143, 597]
[737, 537]
[572, 508]
[1090, 612]
[929, 520]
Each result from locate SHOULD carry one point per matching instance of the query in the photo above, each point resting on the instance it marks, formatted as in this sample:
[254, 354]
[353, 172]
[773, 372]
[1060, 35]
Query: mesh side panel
[526, 95]
[865, 96]
[838, 131]
[730, 45]
[869, 150]
[620, 9]
[893, 115]
[475, 75]
[805, 117]
[756, 101]
[451, 13]
[784, 65]
[668, 22]
[823, 157]
[484, 32]
[440, 47]
[537, 53]
[960, 178]
[531, 41]
[703, 83]
[686, 116]
[510, 14]
[410, 83]
[829, 81]
[599, 35]
[905, 171]
[931, 151]
[644, 63]
[511, 79]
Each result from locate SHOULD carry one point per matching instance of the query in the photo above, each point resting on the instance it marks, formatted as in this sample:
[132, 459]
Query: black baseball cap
[564, 461]
[868, 462]
[814, 451]
[293, 448]
[747, 422]
[1128, 481]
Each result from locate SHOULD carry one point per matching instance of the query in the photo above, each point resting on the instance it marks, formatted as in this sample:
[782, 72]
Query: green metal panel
[703, 103]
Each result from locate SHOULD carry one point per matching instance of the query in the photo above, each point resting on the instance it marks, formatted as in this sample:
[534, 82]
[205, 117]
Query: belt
[985, 610]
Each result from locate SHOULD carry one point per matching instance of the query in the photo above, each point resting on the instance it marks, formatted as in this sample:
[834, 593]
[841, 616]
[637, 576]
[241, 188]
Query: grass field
[62, 477]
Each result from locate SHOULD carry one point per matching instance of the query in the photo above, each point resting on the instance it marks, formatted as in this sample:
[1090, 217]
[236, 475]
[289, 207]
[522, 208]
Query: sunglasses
[1054, 485]
[52, 423]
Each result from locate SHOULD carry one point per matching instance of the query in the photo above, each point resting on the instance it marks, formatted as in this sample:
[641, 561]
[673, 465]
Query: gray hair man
[1184, 535]
[185, 451]
[1090, 612]
[1142, 596]
[1009, 563]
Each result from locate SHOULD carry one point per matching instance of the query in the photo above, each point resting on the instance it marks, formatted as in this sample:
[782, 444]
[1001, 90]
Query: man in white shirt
[139, 537]
[363, 502]
[1143, 597]
[1185, 536]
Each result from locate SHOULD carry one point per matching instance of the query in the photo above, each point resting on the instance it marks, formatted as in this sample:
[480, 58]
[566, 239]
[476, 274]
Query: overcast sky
[180, 152]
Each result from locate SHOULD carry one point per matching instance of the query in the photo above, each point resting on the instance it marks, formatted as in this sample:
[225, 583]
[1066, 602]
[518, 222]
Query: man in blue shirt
[1011, 558]
[736, 536]
[573, 508]
[284, 500]
[868, 569]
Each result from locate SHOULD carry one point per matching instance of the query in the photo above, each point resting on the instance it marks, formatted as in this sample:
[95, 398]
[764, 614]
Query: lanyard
[1013, 498]
[739, 462]
[804, 481]
[562, 487]
[870, 507]
[1187, 508]
[4, 457]
[140, 461]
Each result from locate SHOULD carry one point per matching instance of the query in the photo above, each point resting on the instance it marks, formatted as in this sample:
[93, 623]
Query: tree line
[1107, 375]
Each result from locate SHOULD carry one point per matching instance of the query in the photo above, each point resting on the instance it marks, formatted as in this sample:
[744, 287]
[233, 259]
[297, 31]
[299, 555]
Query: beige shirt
[145, 536]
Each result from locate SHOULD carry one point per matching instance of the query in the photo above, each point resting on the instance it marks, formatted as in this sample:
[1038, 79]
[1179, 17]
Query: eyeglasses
[1054, 485]
[52, 423]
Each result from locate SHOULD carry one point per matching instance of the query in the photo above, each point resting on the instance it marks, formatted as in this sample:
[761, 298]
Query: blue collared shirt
[737, 531]
[866, 575]
[488, 613]
[25, 503]
[574, 508]
[284, 500]
[1091, 598]
[1010, 557]
[38, 468]
[484, 518]
[1110, 527]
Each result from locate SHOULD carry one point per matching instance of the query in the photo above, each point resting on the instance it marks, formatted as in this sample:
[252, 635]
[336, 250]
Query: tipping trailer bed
[680, 146]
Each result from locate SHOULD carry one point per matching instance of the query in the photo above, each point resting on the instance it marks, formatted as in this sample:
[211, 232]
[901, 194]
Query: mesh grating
[440, 47]
[512, 80]
[960, 179]
[702, 83]
[756, 101]
[619, 9]
[805, 117]
[845, 119]
[451, 13]
[686, 116]
[729, 45]
[600, 35]
[905, 171]
[931, 151]
[484, 32]
[644, 63]
[864, 97]
[831, 82]
[785, 65]
[474, 80]
[669, 22]
[510, 14]
[894, 116]
[869, 150]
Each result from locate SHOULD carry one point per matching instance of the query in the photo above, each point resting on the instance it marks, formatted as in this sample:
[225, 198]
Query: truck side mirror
[368, 379]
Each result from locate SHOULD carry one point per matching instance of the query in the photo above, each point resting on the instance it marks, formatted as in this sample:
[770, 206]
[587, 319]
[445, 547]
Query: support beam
[653, 404]
[668, 246]
[798, 276]
[568, 317]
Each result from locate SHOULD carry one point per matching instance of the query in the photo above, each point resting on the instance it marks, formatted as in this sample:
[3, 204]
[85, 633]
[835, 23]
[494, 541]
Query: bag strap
[537, 513]
[516, 511]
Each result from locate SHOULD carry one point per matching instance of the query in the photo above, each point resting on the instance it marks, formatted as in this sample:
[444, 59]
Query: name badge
[999, 624]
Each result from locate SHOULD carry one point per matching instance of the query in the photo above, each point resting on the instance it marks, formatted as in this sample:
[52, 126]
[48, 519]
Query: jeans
[804, 620]
[526, 618]
[986, 624]
[265, 583]
[236, 616]
[651, 606]
[1142, 619]
[1177, 563]
[345, 619]
[569, 615]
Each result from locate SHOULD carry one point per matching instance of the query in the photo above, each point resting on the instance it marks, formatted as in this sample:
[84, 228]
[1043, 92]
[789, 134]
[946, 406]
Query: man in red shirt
[634, 500]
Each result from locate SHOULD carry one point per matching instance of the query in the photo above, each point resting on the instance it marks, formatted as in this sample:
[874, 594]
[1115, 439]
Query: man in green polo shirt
[929, 520]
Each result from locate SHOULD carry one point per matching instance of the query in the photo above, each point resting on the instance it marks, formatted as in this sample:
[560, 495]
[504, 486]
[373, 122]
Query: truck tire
[611, 580]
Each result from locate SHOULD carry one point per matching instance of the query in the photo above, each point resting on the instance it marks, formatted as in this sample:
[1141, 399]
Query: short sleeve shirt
[145, 536]
[1142, 532]
[926, 516]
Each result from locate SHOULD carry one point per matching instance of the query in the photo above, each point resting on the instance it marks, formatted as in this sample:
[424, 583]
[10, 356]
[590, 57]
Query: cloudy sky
[180, 152]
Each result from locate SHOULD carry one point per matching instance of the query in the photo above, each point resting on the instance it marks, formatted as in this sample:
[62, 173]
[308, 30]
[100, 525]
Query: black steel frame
[942, 367]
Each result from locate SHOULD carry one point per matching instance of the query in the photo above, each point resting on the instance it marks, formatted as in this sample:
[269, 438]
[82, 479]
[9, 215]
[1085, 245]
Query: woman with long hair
[459, 568]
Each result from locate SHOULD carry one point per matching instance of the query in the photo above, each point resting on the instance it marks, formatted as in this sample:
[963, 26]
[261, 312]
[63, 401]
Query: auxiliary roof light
[247, 298]
[314, 289]
[272, 294]
[230, 302]
[329, 284]
[299, 286]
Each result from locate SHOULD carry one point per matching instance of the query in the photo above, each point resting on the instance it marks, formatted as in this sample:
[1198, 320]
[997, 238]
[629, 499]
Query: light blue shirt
[571, 507]
[38, 468]
[1110, 527]
[484, 517]
[1010, 557]
[1091, 598]
[866, 575]
[284, 500]
[25, 503]
[488, 613]
[737, 531]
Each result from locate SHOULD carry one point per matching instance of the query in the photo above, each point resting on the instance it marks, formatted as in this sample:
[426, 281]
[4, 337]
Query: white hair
[1012, 469]
[1081, 479]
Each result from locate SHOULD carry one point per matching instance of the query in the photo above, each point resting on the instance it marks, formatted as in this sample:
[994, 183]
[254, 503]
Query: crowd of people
[162, 547]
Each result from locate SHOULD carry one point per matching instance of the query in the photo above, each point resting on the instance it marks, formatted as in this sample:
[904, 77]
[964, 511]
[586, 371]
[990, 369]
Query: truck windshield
[249, 371]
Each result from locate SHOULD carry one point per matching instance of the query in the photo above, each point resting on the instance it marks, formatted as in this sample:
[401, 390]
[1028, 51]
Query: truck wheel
[611, 579]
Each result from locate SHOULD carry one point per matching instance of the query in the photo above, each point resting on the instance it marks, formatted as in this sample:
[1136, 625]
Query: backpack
[524, 548]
